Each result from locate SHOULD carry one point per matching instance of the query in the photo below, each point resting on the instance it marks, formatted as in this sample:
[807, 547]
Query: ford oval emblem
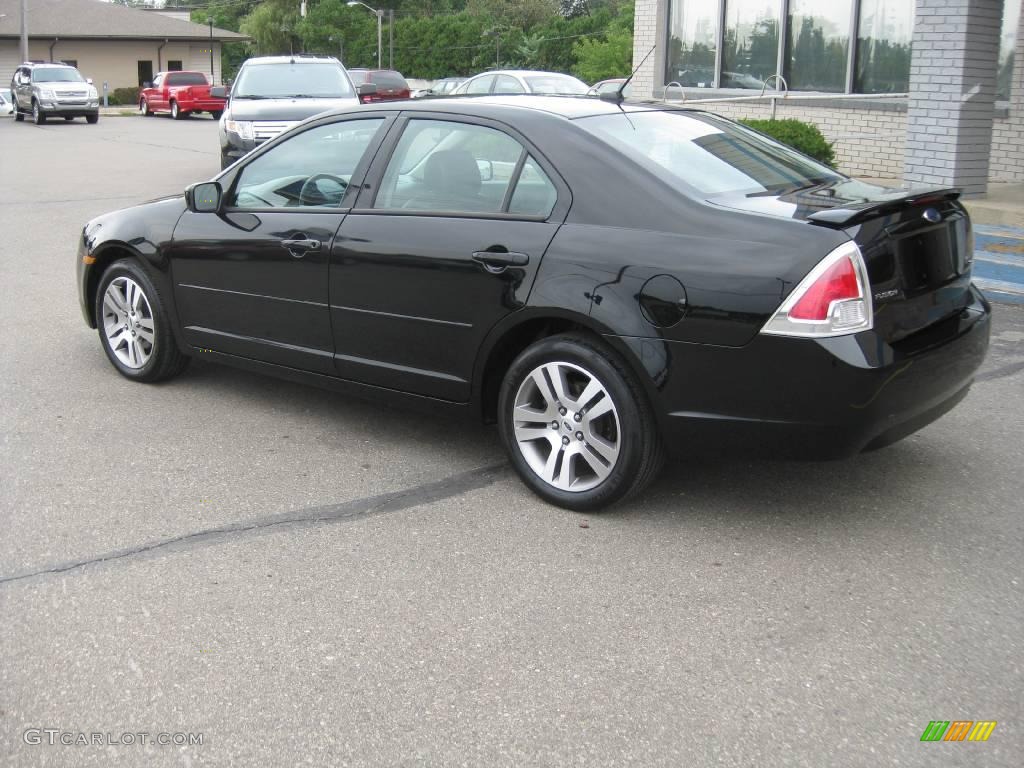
[932, 215]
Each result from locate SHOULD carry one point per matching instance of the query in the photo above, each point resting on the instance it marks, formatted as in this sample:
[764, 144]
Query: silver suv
[53, 89]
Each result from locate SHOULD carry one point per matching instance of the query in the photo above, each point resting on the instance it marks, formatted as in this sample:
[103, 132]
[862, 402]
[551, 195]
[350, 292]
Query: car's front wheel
[133, 325]
[576, 424]
[144, 108]
[92, 119]
[18, 114]
[216, 114]
[37, 114]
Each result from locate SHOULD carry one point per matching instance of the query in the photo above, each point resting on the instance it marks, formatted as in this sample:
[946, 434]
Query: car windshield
[561, 84]
[708, 154]
[56, 75]
[292, 79]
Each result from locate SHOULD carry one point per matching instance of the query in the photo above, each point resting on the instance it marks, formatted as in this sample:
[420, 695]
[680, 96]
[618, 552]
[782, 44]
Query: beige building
[113, 44]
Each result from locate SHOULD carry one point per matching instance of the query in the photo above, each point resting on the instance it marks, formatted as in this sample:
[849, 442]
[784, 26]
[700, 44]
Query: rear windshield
[283, 80]
[555, 84]
[389, 80]
[708, 154]
[56, 75]
[187, 78]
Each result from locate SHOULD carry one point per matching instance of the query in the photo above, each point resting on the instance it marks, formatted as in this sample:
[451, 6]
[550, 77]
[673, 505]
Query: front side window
[817, 45]
[310, 170]
[292, 80]
[750, 48]
[704, 154]
[507, 84]
[441, 166]
[692, 43]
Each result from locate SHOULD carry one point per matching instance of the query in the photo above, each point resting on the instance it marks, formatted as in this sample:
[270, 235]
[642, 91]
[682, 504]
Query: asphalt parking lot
[308, 580]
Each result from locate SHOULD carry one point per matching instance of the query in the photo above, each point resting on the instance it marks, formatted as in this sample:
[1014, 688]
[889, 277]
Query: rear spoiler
[854, 213]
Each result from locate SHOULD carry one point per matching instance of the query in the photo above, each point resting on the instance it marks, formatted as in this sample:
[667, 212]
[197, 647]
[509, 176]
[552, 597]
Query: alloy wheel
[566, 426]
[128, 325]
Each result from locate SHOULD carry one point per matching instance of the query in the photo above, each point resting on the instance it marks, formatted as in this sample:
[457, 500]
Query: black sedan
[609, 283]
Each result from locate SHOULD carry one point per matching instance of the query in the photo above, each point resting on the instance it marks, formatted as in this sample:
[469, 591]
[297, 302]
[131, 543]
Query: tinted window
[555, 84]
[445, 166]
[817, 40]
[480, 84]
[292, 79]
[534, 194]
[883, 46]
[389, 80]
[56, 75]
[692, 43]
[283, 177]
[506, 84]
[706, 153]
[750, 46]
[187, 78]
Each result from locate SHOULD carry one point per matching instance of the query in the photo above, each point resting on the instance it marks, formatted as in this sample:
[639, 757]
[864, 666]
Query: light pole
[212, 78]
[380, 21]
[24, 30]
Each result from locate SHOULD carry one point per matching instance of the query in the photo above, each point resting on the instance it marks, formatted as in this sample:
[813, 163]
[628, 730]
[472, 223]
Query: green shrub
[804, 137]
[122, 97]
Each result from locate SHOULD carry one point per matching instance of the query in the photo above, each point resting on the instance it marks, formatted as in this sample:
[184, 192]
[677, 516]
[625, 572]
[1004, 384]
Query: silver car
[509, 81]
[53, 89]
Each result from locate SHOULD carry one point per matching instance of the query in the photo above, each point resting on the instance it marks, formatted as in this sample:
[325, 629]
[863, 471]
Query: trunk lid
[917, 245]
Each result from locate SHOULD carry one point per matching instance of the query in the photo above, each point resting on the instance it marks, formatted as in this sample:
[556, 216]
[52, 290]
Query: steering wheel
[310, 193]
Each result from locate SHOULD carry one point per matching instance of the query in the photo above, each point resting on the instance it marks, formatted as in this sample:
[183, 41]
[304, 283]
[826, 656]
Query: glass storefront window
[750, 47]
[693, 31]
[817, 45]
[1007, 47]
[883, 46]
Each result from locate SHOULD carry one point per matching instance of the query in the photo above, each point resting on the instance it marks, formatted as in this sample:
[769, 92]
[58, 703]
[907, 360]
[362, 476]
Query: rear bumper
[201, 106]
[817, 399]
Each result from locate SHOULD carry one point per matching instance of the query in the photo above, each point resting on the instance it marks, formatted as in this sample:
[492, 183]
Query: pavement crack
[356, 509]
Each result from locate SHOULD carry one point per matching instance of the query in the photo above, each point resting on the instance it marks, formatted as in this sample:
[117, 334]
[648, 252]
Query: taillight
[833, 300]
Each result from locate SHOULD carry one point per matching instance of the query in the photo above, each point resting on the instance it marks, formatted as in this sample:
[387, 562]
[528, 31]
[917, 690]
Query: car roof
[296, 59]
[568, 107]
[525, 73]
[48, 64]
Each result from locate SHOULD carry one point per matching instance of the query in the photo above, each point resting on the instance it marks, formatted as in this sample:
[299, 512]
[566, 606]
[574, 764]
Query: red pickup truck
[179, 93]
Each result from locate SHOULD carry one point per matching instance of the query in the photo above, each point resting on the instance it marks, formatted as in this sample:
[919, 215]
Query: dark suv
[391, 85]
[273, 93]
[53, 89]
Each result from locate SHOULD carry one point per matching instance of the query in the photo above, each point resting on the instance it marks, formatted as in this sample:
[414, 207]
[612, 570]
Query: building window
[884, 31]
[817, 45]
[145, 72]
[813, 46]
[1007, 46]
[174, 65]
[750, 46]
[692, 43]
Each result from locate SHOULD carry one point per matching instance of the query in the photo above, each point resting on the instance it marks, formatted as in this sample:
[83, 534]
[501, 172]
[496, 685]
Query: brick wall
[645, 35]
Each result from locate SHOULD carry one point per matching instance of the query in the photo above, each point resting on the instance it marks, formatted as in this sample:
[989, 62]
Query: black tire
[165, 359]
[68, 118]
[37, 114]
[225, 161]
[640, 450]
[19, 116]
[144, 108]
[216, 114]
[92, 119]
[176, 112]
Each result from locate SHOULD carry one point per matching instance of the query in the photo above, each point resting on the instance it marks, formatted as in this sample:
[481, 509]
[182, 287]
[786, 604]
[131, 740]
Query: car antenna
[617, 97]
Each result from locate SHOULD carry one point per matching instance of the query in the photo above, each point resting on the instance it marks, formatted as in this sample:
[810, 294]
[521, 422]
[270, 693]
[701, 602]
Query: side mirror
[203, 197]
[88, 80]
[486, 168]
[219, 92]
[367, 89]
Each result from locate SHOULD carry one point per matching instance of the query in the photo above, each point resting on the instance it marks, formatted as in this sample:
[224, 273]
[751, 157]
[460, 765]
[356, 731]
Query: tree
[273, 26]
[601, 59]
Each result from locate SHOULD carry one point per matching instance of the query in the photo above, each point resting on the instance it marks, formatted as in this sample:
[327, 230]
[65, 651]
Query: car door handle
[299, 248]
[498, 261]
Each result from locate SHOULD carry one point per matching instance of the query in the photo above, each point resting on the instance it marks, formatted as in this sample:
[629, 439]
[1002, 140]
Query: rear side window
[480, 84]
[187, 78]
[707, 154]
[390, 80]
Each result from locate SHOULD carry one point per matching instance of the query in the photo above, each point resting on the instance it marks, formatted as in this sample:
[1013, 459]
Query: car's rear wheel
[576, 424]
[176, 112]
[133, 325]
[144, 108]
[37, 114]
[216, 114]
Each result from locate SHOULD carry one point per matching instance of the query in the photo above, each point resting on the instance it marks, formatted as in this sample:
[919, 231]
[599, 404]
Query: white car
[510, 81]
[6, 104]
